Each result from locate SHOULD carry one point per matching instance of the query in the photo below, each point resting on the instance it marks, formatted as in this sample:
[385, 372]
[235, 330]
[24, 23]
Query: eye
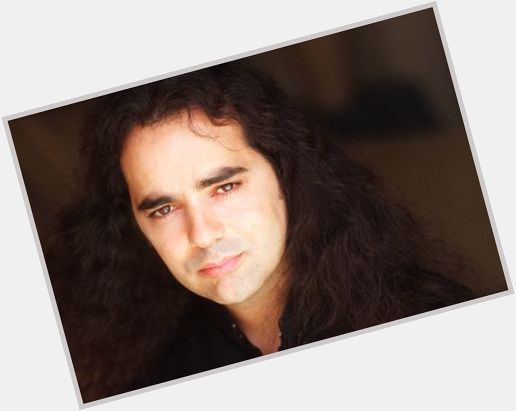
[161, 212]
[226, 188]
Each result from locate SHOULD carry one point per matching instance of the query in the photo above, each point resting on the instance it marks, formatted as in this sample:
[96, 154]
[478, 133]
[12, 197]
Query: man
[213, 210]
[217, 225]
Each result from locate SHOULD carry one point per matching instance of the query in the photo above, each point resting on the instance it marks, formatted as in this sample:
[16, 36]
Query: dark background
[385, 91]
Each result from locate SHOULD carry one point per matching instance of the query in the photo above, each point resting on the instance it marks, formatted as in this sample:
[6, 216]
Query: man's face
[210, 205]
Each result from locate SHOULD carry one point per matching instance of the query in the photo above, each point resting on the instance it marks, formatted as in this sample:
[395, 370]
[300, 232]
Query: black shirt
[207, 338]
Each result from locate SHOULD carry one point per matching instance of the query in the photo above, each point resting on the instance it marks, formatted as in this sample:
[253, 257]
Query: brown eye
[226, 189]
[161, 212]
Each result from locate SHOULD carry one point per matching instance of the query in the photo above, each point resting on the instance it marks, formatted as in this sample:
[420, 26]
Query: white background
[461, 359]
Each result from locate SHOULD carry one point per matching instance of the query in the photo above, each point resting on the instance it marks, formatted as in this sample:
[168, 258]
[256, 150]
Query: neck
[258, 318]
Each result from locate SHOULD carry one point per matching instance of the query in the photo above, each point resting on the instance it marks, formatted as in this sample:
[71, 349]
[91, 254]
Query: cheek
[259, 217]
[176, 253]
[242, 215]
[172, 253]
[167, 240]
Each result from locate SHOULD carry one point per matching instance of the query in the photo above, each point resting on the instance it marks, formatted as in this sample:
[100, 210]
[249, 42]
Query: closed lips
[225, 262]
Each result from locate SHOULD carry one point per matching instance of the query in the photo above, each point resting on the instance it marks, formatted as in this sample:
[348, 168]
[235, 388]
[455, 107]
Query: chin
[230, 297]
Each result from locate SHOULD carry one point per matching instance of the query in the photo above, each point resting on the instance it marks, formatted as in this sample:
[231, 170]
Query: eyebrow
[219, 176]
[149, 203]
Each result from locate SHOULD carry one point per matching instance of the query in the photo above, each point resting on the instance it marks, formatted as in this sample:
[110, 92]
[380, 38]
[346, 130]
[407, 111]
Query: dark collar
[220, 318]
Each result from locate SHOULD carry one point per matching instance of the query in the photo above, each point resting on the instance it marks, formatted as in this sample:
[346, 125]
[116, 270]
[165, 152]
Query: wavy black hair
[357, 258]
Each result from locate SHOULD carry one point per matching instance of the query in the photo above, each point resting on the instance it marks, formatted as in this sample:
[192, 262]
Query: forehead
[182, 149]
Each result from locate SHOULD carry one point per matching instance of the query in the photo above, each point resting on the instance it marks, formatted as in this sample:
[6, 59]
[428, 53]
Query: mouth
[223, 266]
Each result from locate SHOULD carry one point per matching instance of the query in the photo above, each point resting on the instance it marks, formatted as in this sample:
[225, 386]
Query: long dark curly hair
[357, 258]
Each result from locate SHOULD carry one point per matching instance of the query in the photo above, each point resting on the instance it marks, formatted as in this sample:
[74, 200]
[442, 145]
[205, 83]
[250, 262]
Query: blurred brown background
[383, 89]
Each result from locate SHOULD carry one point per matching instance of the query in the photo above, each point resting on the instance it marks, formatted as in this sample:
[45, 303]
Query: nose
[204, 227]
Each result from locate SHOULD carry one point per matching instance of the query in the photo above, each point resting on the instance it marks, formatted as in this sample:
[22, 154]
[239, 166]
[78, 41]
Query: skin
[212, 208]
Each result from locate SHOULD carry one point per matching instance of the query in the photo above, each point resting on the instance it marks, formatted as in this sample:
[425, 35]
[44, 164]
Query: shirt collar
[221, 319]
